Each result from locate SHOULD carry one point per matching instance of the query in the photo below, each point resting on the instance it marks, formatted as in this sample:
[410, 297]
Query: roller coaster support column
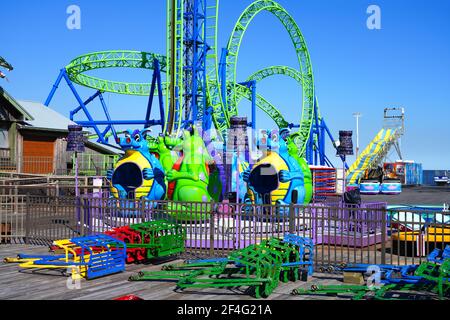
[223, 75]
[322, 142]
[194, 55]
[55, 87]
[315, 151]
[327, 130]
[252, 86]
[310, 147]
[156, 81]
[319, 154]
[93, 123]
[63, 75]
[108, 116]
[75, 111]
[105, 109]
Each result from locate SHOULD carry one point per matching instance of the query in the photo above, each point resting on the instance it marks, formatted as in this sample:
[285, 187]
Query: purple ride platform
[336, 223]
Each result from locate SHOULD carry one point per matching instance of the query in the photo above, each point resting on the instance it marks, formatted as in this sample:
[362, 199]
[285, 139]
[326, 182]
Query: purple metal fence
[217, 228]
[367, 233]
[350, 225]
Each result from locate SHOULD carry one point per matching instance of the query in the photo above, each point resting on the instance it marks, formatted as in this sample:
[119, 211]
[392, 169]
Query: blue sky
[405, 64]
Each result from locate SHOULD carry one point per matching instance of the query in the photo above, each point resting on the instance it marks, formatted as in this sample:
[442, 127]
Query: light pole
[357, 115]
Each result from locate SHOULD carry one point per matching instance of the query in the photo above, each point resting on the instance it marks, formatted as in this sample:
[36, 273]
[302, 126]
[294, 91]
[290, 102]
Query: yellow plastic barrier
[433, 234]
[69, 255]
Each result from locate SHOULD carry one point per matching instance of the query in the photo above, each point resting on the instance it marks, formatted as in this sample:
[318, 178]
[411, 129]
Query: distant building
[33, 140]
[435, 177]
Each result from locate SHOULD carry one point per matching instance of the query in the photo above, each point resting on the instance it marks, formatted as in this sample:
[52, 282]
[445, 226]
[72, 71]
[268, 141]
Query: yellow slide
[377, 148]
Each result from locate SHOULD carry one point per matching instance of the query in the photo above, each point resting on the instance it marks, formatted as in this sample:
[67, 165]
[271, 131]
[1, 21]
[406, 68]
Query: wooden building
[33, 139]
[12, 115]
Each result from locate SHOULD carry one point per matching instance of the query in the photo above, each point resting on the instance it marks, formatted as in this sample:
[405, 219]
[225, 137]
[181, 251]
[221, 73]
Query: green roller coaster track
[175, 40]
[276, 70]
[130, 59]
[244, 92]
[222, 113]
[284, 71]
[113, 59]
[212, 70]
[301, 49]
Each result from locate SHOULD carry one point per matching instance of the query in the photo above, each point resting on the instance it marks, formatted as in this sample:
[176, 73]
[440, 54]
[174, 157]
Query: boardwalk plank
[15, 285]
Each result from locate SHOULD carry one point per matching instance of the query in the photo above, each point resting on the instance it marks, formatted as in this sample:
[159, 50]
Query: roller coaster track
[244, 92]
[263, 104]
[276, 70]
[113, 59]
[174, 100]
[283, 71]
[143, 60]
[212, 70]
[302, 54]
[280, 70]
[221, 115]
[129, 59]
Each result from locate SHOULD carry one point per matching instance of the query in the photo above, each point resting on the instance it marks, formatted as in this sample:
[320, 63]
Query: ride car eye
[137, 138]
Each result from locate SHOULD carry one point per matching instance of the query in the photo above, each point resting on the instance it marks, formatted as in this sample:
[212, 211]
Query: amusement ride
[201, 89]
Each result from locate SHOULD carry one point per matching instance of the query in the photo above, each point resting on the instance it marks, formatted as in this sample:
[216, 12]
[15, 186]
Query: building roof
[15, 104]
[39, 117]
[44, 117]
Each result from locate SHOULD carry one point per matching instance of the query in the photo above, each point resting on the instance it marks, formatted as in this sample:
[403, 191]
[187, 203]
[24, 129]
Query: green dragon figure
[164, 147]
[190, 178]
[293, 152]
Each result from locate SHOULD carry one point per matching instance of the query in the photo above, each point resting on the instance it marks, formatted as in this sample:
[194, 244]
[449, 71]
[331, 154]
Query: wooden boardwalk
[51, 285]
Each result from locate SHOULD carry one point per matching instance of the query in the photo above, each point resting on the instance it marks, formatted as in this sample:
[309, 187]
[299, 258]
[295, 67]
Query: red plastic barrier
[129, 236]
[130, 297]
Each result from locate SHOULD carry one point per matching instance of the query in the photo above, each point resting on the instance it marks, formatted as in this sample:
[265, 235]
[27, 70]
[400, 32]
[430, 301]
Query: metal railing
[23, 184]
[88, 165]
[12, 219]
[366, 233]
[8, 165]
[94, 164]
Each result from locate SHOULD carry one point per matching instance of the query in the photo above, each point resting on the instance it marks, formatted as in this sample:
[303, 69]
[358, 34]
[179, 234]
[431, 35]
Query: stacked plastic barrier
[324, 182]
[151, 239]
[259, 266]
[438, 255]
[130, 237]
[87, 257]
[430, 278]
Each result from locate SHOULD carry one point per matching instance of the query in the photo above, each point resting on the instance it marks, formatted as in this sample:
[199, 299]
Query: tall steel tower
[187, 52]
